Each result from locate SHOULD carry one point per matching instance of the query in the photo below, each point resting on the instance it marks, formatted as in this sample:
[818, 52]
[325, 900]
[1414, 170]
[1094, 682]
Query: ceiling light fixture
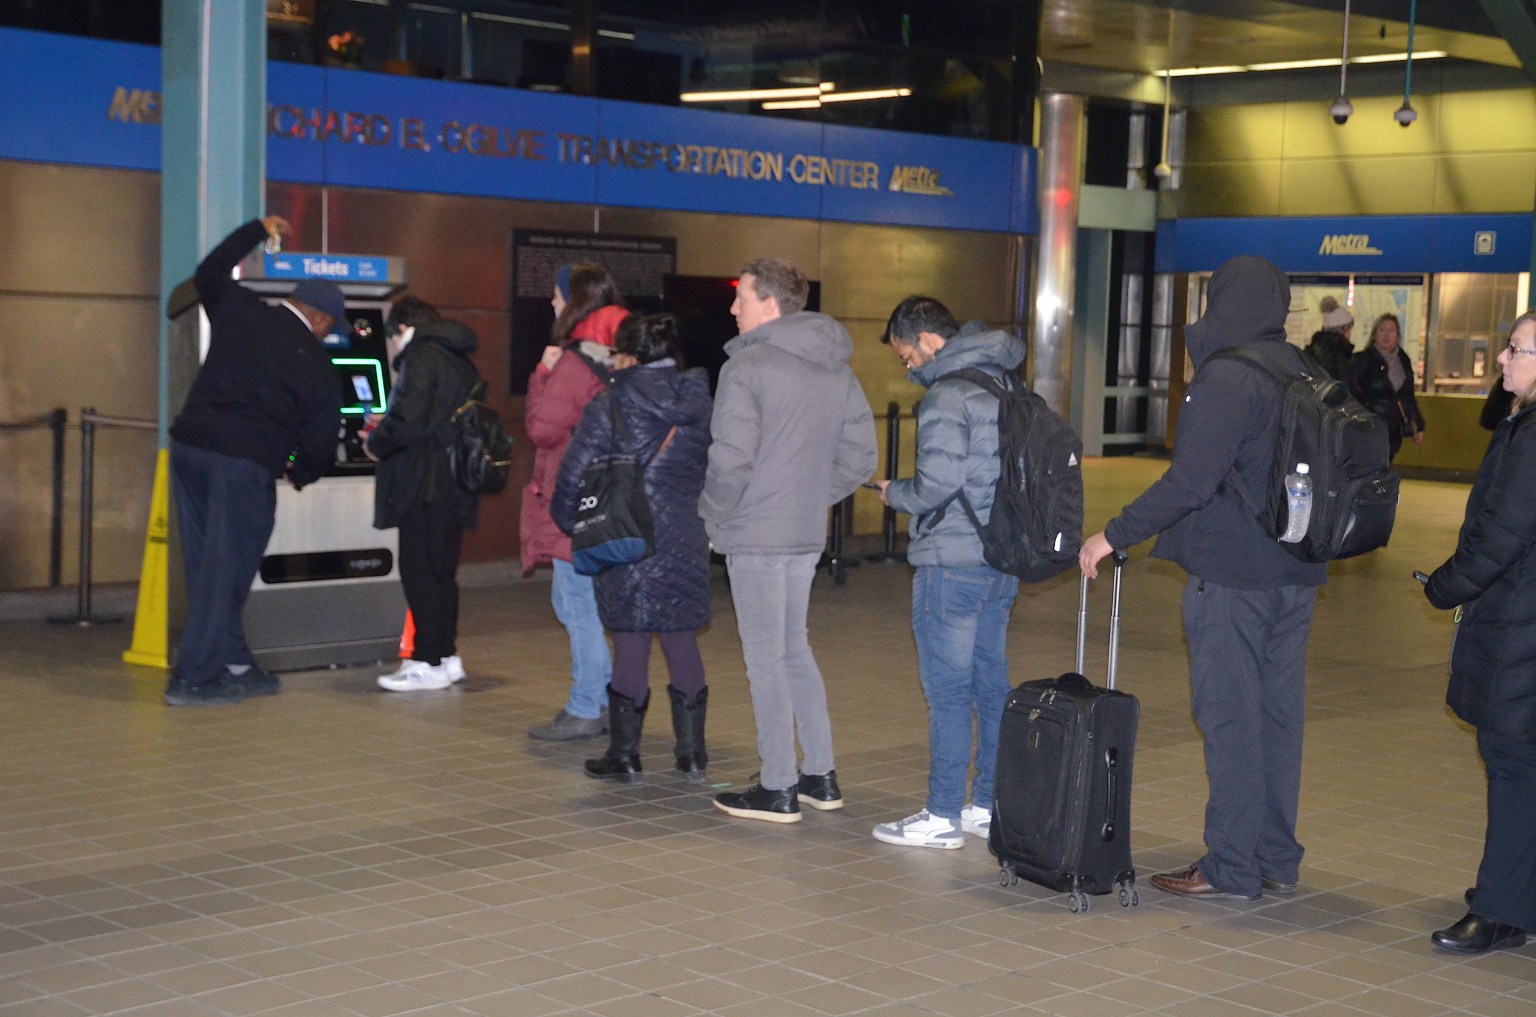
[749, 94]
[825, 97]
[1299, 65]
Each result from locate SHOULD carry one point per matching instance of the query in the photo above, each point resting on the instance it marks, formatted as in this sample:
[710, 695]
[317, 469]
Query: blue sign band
[330, 127]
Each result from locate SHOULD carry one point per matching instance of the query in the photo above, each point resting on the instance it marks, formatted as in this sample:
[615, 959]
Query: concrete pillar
[1062, 140]
[213, 162]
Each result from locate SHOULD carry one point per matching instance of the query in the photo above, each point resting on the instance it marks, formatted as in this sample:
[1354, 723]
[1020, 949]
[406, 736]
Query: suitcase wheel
[1130, 897]
[1077, 902]
[1006, 876]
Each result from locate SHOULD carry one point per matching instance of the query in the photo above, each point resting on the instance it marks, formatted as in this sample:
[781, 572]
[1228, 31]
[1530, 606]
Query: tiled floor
[341, 851]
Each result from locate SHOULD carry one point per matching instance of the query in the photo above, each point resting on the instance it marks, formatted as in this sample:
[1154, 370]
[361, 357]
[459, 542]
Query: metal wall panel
[1387, 185]
[78, 284]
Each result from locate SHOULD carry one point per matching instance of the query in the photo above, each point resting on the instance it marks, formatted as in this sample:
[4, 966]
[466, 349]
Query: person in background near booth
[664, 410]
[1331, 347]
[1491, 579]
[960, 604]
[792, 434]
[1247, 604]
[415, 490]
[265, 404]
[574, 368]
[1383, 382]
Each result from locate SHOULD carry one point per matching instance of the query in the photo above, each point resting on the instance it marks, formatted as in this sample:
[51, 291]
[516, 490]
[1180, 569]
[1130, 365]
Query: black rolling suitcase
[1062, 812]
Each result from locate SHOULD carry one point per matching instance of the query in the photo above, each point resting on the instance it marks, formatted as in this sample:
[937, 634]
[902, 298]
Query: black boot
[688, 725]
[622, 760]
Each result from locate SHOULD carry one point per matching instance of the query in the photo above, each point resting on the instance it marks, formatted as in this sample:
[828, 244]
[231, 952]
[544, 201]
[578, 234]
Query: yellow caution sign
[151, 625]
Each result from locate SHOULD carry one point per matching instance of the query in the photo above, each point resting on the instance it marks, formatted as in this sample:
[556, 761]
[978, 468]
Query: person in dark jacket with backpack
[663, 413]
[415, 490]
[960, 604]
[1248, 602]
[1491, 577]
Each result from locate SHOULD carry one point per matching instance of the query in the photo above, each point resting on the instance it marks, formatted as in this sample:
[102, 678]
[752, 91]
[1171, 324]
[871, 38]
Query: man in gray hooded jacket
[1248, 602]
[960, 604]
[792, 434]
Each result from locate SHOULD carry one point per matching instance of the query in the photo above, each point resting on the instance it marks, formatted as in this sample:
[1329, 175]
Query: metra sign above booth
[357, 129]
[1419, 244]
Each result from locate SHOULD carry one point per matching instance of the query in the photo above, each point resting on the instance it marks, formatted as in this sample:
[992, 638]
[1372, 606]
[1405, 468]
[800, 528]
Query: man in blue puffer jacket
[960, 604]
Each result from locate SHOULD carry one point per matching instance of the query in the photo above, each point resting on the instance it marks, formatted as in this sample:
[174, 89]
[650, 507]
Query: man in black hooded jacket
[1248, 602]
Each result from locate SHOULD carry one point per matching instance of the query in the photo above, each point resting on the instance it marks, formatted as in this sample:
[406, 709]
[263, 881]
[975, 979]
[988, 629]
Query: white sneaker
[455, 668]
[976, 820]
[416, 676]
[922, 830]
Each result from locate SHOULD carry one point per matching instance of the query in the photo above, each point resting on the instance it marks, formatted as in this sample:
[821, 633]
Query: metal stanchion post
[888, 553]
[57, 421]
[82, 615]
[832, 559]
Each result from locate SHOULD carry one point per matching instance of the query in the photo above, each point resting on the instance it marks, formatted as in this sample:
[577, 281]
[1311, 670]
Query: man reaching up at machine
[264, 405]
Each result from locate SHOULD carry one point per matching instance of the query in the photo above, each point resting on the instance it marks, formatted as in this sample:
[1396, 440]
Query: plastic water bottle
[1298, 504]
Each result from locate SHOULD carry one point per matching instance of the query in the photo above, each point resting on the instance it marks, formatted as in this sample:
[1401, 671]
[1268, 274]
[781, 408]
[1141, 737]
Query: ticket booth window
[1470, 314]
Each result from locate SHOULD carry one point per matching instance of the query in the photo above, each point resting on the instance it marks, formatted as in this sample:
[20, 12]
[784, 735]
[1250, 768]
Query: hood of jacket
[808, 335]
[660, 390]
[445, 332]
[601, 325]
[974, 345]
[1249, 299]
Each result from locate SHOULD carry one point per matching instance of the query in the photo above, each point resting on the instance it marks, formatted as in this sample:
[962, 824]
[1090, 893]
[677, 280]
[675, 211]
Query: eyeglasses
[1516, 351]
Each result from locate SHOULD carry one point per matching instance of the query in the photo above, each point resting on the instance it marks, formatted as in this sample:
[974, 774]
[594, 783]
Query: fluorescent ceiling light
[735, 95]
[874, 93]
[1296, 65]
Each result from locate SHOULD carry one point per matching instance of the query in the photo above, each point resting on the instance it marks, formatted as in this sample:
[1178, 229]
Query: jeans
[575, 602]
[960, 623]
[1248, 679]
[772, 594]
[225, 507]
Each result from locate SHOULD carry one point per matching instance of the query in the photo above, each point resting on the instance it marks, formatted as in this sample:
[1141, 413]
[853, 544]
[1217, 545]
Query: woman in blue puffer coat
[665, 412]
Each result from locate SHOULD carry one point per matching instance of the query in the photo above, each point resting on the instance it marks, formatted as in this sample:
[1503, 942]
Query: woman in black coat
[1382, 379]
[664, 412]
[1492, 579]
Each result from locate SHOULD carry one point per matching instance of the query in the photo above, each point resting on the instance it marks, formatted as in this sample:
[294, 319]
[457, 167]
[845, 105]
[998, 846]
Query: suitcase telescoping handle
[1114, 620]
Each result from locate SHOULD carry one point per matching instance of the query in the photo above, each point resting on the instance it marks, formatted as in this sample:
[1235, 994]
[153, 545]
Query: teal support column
[213, 164]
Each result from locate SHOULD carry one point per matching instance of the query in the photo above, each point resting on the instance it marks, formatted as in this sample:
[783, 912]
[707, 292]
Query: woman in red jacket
[574, 368]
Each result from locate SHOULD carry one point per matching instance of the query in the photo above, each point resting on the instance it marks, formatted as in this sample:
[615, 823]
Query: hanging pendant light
[1406, 114]
[1162, 170]
[1342, 107]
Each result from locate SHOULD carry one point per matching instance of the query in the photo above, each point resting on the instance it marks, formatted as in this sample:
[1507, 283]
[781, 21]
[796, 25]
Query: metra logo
[324, 266]
[1347, 243]
[917, 180]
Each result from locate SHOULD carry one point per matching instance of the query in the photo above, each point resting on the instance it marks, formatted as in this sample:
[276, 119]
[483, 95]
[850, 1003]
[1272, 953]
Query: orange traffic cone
[408, 636]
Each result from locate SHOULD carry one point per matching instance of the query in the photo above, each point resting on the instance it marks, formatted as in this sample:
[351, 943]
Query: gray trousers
[772, 594]
[1248, 677]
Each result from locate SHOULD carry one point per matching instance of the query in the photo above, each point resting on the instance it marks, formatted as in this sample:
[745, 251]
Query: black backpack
[1347, 452]
[1036, 526]
[479, 449]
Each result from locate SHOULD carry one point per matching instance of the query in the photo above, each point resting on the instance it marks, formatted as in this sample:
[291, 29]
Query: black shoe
[1275, 886]
[1475, 934]
[758, 802]
[257, 682]
[624, 769]
[820, 791]
[221, 690]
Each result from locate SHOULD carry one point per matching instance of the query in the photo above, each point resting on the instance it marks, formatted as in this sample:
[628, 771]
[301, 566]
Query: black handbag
[613, 524]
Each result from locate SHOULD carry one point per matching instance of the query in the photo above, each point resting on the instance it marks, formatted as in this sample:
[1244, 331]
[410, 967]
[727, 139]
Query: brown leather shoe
[1190, 883]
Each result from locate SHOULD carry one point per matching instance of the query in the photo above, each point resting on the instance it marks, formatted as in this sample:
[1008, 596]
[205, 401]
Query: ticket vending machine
[328, 591]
